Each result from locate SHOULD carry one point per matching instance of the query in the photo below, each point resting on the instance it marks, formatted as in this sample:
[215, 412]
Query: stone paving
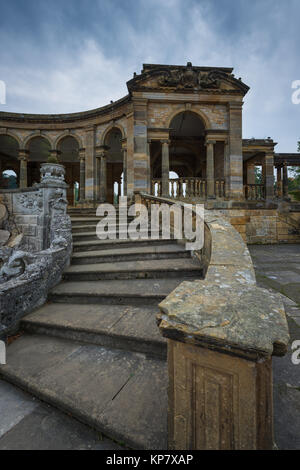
[278, 267]
[28, 424]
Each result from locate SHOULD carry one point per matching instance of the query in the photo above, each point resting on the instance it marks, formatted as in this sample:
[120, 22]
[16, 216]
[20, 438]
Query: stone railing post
[220, 347]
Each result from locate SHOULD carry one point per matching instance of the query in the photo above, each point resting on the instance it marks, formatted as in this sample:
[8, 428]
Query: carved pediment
[189, 78]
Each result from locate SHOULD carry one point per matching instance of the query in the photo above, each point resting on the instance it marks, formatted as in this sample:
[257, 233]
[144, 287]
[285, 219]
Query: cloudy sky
[63, 56]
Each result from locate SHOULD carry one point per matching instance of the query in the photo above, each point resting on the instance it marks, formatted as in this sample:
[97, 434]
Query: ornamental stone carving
[52, 173]
[31, 201]
[190, 78]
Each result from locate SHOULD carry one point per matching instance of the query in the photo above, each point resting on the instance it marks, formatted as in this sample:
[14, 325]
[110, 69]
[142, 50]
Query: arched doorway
[68, 148]
[114, 168]
[38, 152]
[9, 163]
[187, 148]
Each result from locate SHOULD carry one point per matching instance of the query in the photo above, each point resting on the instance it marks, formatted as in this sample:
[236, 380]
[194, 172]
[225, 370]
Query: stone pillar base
[231, 400]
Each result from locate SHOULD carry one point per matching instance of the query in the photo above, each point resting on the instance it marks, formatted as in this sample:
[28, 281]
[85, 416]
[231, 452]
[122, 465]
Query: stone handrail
[222, 332]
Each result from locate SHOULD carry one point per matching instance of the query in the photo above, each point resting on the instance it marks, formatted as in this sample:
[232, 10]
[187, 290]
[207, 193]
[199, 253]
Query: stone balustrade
[222, 332]
[255, 192]
[188, 188]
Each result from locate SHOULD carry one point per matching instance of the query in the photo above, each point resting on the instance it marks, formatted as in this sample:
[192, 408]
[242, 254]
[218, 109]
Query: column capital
[81, 153]
[101, 151]
[166, 141]
[210, 142]
[23, 154]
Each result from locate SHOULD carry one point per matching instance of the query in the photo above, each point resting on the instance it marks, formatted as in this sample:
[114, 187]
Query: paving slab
[28, 424]
[14, 406]
[84, 380]
[281, 263]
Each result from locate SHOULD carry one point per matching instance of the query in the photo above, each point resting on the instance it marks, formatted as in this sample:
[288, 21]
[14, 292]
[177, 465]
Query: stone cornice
[62, 118]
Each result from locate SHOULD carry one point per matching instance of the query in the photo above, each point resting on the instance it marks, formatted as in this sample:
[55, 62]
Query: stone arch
[200, 114]
[11, 134]
[67, 134]
[109, 129]
[33, 135]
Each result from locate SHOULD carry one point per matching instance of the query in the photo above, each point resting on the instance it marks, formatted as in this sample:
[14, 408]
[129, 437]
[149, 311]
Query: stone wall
[33, 266]
[265, 226]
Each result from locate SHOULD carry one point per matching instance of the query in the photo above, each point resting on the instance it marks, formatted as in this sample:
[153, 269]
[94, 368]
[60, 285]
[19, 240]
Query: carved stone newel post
[220, 347]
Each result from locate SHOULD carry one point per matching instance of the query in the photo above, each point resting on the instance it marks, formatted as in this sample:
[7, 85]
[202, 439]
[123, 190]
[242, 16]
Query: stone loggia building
[183, 119]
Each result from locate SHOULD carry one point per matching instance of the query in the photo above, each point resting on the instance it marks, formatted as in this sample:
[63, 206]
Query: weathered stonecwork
[222, 333]
[34, 259]
[184, 119]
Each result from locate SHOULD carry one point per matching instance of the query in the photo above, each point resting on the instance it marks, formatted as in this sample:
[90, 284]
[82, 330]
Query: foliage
[258, 175]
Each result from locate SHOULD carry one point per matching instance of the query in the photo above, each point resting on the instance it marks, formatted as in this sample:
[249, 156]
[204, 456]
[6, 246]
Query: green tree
[258, 175]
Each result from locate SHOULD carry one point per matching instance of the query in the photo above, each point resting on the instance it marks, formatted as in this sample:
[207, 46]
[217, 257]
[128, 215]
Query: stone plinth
[221, 340]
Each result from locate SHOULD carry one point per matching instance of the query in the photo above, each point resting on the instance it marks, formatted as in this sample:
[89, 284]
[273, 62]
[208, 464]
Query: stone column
[99, 152]
[269, 175]
[236, 151]
[82, 175]
[285, 181]
[55, 153]
[140, 135]
[103, 177]
[279, 181]
[165, 168]
[124, 151]
[226, 168]
[149, 179]
[90, 161]
[250, 173]
[220, 365]
[210, 170]
[23, 158]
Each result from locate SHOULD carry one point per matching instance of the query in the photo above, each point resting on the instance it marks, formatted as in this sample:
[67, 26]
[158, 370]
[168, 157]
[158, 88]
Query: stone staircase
[94, 349]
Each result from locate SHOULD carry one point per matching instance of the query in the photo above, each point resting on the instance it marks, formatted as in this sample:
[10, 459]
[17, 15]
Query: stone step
[92, 227]
[115, 292]
[113, 326]
[130, 254]
[94, 220]
[96, 244]
[91, 235]
[122, 394]
[151, 269]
